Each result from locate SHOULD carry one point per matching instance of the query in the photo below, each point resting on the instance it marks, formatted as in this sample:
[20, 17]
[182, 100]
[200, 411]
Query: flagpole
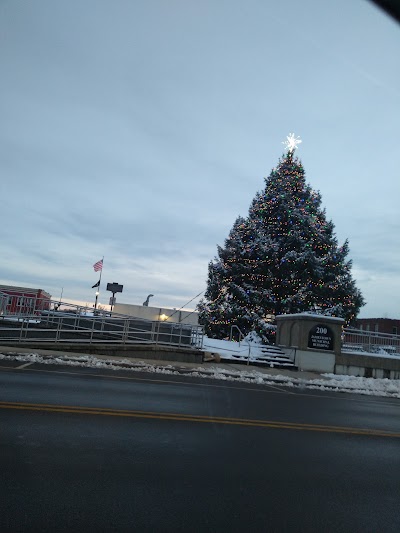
[98, 288]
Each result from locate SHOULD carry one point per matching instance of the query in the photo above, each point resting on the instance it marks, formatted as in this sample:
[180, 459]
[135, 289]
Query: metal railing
[241, 338]
[61, 322]
[357, 340]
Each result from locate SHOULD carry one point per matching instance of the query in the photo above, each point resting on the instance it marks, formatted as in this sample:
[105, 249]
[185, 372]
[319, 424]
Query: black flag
[96, 284]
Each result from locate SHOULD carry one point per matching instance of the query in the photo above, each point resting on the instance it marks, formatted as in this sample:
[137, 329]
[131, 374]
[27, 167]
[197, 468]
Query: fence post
[59, 327]
[125, 330]
[158, 332]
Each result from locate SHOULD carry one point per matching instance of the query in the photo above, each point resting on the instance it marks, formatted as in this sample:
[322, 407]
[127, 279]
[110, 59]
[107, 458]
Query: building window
[394, 330]
[367, 327]
[376, 327]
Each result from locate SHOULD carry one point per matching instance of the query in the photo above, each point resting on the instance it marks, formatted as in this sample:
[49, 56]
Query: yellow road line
[196, 418]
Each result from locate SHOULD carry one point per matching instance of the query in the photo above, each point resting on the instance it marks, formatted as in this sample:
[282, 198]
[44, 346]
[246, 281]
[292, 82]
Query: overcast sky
[140, 130]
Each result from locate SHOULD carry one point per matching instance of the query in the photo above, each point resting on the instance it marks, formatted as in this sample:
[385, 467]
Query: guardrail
[357, 340]
[67, 323]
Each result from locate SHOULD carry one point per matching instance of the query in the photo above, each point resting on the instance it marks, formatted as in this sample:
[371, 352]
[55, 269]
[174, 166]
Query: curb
[296, 382]
[180, 370]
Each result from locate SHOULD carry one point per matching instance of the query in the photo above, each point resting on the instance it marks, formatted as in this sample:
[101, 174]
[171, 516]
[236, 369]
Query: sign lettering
[321, 338]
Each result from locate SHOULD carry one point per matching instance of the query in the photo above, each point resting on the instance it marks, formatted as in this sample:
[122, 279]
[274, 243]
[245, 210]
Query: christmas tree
[283, 258]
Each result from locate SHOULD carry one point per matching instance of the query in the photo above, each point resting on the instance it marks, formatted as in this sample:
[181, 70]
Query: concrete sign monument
[311, 340]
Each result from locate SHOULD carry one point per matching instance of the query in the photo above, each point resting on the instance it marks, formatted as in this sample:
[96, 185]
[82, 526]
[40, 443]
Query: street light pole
[95, 302]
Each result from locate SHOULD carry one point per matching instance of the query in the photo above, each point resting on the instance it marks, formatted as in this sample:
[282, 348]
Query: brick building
[23, 300]
[379, 325]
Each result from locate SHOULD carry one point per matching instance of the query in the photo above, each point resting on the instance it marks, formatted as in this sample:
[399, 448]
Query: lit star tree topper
[291, 142]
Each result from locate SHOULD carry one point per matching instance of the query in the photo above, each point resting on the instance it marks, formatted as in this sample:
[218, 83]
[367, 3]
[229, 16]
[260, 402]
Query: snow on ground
[232, 350]
[21, 319]
[327, 382]
[379, 353]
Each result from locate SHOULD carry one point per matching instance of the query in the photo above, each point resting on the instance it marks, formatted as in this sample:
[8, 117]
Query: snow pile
[232, 349]
[372, 386]
[331, 382]
[90, 361]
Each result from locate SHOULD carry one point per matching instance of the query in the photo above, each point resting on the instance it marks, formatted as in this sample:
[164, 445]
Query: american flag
[98, 266]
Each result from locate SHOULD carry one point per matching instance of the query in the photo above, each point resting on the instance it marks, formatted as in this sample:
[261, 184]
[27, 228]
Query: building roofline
[23, 289]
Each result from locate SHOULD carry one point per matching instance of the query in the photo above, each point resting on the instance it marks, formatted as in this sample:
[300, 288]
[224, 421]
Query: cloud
[141, 131]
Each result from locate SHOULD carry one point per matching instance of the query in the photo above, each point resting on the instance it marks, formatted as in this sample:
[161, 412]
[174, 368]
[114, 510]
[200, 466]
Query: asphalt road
[94, 450]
